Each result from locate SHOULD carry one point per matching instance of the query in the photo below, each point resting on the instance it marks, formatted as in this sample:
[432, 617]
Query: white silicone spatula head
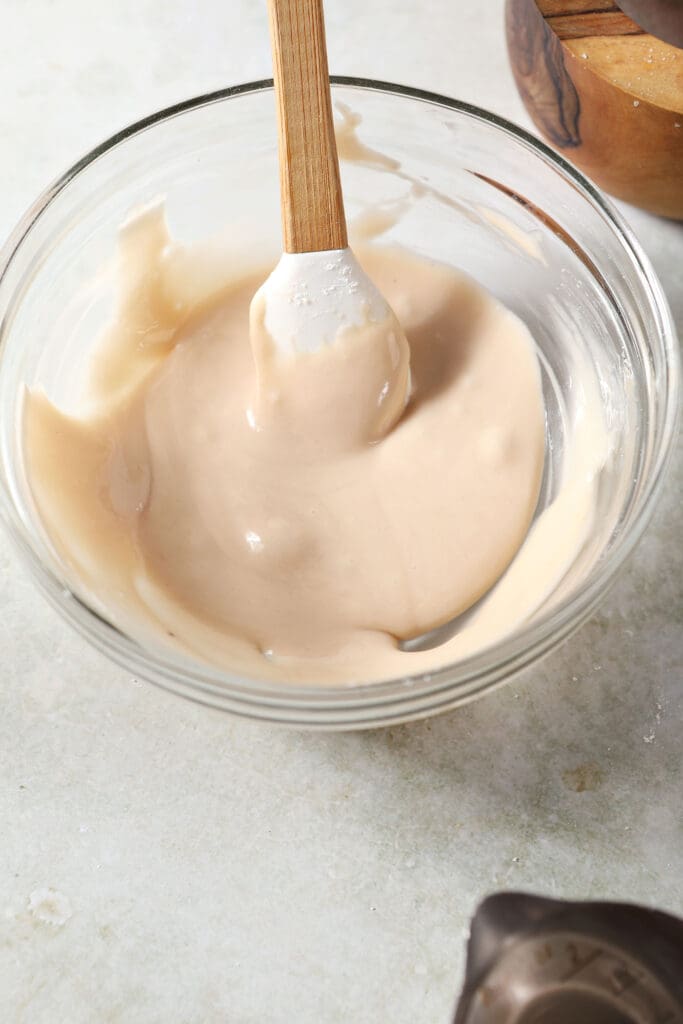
[318, 289]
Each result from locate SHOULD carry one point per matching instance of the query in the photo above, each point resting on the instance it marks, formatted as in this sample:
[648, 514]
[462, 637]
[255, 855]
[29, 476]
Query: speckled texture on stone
[163, 863]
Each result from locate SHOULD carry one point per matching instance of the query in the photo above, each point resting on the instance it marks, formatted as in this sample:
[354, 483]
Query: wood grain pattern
[310, 188]
[553, 8]
[593, 23]
[539, 68]
[615, 101]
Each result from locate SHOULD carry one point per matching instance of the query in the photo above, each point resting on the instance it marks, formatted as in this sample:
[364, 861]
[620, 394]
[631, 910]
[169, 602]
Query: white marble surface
[163, 863]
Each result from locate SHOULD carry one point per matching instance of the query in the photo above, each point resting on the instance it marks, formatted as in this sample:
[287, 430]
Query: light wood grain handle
[310, 189]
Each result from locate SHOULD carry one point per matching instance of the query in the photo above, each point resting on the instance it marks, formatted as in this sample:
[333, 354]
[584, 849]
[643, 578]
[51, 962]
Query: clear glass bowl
[490, 199]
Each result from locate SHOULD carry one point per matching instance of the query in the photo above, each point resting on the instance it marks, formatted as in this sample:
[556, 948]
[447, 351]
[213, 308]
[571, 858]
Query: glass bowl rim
[412, 695]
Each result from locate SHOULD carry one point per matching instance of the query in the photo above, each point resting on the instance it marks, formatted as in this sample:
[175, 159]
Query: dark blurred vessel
[532, 960]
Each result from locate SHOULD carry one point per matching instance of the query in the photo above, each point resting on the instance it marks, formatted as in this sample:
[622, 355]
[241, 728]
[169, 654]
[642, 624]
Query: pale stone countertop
[164, 863]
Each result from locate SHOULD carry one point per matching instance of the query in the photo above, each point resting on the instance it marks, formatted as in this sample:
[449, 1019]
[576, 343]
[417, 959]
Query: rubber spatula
[318, 289]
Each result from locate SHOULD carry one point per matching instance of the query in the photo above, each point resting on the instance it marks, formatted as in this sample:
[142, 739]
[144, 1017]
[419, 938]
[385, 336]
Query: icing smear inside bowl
[248, 510]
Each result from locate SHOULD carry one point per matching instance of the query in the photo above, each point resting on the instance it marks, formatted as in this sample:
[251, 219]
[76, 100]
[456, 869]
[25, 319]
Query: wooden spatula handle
[311, 197]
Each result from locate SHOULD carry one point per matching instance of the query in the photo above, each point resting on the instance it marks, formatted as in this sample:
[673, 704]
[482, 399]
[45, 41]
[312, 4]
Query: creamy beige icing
[262, 521]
